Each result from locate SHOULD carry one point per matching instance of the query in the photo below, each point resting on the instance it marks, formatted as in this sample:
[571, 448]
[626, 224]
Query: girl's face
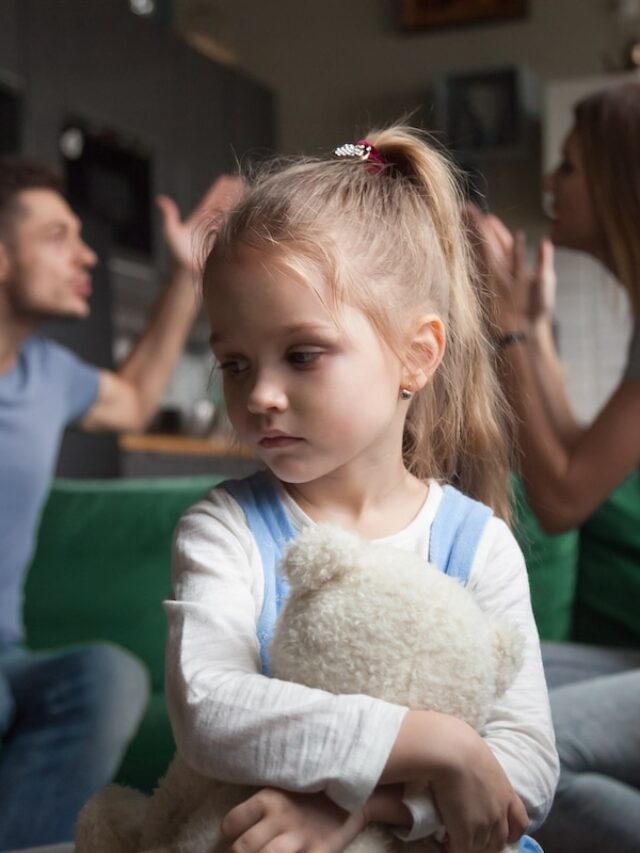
[574, 223]
[307, 395]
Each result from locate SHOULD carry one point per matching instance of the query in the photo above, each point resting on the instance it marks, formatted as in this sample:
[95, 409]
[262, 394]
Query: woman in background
[569, 470]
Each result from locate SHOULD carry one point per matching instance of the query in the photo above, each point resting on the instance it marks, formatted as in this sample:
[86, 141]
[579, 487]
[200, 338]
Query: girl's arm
[519, 731]
[276, 819]
[229, 721]
[518, 734]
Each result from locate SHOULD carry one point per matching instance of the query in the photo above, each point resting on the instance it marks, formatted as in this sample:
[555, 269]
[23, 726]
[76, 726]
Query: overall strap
[529, 845]
[455, 533]
[271, 529]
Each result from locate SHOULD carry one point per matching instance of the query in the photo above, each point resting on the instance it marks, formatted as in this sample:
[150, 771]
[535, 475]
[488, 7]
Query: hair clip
[362, 150]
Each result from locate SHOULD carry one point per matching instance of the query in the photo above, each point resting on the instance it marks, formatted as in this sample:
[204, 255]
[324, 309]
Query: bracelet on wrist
[517, 337]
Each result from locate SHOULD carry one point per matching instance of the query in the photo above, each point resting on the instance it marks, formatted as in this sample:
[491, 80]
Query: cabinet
[99, 63]
[170, 455]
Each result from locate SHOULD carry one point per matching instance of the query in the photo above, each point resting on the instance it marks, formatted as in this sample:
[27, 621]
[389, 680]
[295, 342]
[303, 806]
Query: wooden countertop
[183, 444]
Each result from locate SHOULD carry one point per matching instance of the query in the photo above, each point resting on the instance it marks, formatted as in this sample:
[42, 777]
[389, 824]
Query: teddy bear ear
[321, 553]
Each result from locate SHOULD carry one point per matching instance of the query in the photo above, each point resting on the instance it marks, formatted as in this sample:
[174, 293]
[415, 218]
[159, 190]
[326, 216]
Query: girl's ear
[425, 349]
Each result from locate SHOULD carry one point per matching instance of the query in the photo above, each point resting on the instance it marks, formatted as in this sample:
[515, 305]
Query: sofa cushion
[102, 566]
[101, 572]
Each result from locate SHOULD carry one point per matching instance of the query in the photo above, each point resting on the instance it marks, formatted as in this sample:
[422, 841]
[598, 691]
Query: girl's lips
[275, 441]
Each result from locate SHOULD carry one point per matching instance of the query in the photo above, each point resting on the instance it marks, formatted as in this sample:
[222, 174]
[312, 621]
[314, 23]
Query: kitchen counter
[161, 455]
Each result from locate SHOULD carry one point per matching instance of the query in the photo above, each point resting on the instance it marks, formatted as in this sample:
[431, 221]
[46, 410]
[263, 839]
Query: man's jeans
[65, 720]
[595, 702]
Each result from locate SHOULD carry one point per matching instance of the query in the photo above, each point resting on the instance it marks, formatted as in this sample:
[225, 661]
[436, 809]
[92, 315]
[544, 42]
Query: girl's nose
[266, 396]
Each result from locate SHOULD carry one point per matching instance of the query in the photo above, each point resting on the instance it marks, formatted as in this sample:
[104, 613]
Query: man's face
[46, 266]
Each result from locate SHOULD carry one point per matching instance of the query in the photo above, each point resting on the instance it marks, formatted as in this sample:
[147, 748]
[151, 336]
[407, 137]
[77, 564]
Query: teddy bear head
[365, 618]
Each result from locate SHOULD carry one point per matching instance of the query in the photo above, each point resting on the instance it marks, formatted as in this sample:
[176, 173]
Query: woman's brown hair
[607, 126]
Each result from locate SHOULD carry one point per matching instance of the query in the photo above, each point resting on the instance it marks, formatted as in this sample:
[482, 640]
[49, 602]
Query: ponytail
[457, 427]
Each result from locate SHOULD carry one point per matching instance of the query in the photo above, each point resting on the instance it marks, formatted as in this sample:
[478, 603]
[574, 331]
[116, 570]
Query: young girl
[344, 321]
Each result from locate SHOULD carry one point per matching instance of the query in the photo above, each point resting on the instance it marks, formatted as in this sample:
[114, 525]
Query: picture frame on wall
[487, 113]
[430, 14]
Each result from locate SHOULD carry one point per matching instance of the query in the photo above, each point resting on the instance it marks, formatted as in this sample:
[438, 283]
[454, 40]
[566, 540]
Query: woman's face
[572, 213]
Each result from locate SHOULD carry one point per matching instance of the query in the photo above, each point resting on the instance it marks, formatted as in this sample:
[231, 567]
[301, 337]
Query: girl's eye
[234, 366]
[303, 358]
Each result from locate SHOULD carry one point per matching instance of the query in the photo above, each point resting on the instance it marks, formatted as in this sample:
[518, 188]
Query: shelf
[219, 446]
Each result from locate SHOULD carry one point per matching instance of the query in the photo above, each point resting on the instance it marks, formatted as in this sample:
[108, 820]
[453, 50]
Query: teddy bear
[360, 618]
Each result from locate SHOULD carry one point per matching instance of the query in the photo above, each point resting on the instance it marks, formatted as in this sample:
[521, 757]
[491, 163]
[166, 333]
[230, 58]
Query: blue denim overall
[455, 533]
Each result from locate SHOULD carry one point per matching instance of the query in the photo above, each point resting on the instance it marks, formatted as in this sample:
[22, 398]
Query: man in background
[66, 717]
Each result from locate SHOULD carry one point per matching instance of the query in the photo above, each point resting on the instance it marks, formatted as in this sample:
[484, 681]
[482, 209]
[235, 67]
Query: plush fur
[360, 618]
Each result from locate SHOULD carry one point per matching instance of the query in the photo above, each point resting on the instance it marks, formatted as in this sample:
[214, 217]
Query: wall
[341, 66]
[98, 61]
[344, 64]
[337, 64]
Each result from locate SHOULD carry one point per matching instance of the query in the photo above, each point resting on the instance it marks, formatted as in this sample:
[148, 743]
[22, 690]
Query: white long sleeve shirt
[235, 724]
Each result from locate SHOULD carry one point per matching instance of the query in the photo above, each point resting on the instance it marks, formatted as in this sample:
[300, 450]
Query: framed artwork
[425, 14]
[486, 112]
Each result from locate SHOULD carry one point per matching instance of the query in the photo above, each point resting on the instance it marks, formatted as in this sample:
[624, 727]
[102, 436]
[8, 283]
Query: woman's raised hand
[542, 298]
[501, 259]
[519, 296]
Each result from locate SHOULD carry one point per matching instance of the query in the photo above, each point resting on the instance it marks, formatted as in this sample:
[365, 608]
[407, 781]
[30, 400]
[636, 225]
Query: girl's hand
[479, 809]
[277, 821]
[386, 805]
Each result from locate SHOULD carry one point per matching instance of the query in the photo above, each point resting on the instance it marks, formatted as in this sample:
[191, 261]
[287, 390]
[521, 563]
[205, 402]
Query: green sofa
[102, 570]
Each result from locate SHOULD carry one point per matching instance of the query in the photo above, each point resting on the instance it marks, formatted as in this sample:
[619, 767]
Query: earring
[405, 394]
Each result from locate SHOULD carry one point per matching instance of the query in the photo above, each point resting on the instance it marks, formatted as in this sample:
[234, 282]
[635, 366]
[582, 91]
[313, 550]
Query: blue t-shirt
[46, 389]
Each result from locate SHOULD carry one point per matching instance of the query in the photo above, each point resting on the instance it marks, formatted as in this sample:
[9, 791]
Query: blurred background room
[131, 98]
[134, 97]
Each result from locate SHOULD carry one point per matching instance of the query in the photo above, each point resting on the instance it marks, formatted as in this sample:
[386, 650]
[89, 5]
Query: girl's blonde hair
[392, 242]
[607, 125]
